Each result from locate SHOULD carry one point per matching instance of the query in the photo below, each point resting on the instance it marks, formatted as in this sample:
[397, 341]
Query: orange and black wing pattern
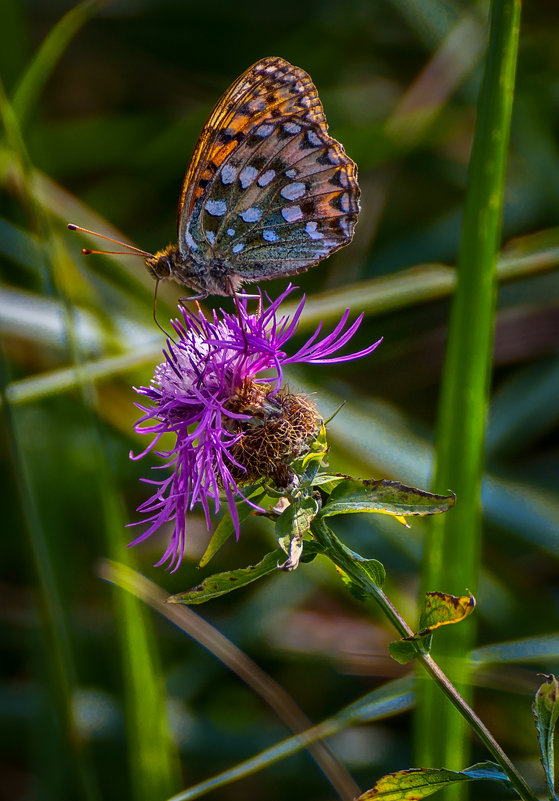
[268, 192]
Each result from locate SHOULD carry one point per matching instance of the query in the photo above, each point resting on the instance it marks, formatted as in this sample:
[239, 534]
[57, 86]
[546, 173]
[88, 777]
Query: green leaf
[442, 609]
[311, 461]
[403, 651]
[296, 519]
[291, 526]
[226, 528]
[327, 481]
[417, 783]
[546, 712]
[372, 570]
[222, 583]
[386, 497]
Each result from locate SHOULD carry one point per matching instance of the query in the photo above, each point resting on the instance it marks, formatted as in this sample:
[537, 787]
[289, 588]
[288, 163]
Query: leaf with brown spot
[546, 713]
[385, 497]
[222, 583]
[442, 609]
[417, 783]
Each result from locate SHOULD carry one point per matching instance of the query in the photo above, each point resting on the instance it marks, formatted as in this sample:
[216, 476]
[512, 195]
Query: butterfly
[268, 193]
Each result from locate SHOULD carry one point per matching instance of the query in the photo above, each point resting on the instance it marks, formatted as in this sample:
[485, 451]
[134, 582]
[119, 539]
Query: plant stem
[335, 551]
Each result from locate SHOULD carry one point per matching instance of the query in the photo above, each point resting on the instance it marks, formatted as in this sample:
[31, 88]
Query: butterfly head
[163, 263]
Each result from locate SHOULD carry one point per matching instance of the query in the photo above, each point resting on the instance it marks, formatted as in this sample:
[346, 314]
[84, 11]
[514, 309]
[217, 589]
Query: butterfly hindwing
[268, 192]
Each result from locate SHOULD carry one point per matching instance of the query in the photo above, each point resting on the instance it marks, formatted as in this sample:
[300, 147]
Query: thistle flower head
[232, 424]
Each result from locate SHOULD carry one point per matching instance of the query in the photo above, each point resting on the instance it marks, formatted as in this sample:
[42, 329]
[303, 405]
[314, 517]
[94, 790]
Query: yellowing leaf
[546, 713]
[417, 783]
[354, 495]
[442, 609]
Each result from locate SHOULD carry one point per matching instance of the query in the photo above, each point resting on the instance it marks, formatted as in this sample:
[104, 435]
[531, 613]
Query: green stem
[336, 551]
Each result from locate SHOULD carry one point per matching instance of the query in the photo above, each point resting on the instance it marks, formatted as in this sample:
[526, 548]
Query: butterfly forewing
[268, 192]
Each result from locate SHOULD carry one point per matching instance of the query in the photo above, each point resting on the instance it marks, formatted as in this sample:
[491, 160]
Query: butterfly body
[268, 193]
[210, 277]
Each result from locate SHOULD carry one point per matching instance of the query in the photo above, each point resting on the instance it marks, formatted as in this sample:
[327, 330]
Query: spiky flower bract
[210, 392]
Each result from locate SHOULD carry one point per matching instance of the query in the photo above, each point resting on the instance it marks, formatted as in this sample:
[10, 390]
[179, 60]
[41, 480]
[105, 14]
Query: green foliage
[222, 583]
[386, 497]
[419, 783]
[454, 546]
[546, 713]
[440, 609]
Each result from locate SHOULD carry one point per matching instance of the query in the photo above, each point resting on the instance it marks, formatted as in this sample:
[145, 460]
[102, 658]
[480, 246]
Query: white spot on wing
[293, 191]
[210, 236]
[238, 247]
[264, 130]
[333, 156]
[228, 174]
[190, 241]
[345, 225]
[230, 232]
[251, 215]
[291, 128]
[310, 228]
[266, 177]
[269, 235]
[216, 208]
[291, 213]
[247, 176]
[291, 173]
[344, 202]
[313, 138]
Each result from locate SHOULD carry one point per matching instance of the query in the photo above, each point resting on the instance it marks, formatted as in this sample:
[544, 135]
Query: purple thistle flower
[194, 394]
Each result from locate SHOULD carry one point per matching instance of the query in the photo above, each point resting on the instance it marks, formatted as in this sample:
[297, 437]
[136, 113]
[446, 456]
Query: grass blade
[48, 55]
[451, 561]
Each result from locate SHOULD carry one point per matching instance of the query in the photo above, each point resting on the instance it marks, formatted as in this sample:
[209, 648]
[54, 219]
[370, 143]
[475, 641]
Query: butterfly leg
[194, 298]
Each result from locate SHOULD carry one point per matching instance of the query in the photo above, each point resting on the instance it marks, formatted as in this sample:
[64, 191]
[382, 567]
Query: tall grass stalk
[451, 561]
[153, 768]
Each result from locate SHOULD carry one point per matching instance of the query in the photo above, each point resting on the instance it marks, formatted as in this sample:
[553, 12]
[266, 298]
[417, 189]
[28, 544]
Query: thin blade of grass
[391, 699]
[48, 56]
[236, 660]
[451, 560]
[58, 655]
[152, 760]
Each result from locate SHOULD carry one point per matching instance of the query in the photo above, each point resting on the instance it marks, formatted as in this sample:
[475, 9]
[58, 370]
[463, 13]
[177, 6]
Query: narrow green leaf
[546, 713]
[48, 55]
[387, 497]
[327, 481]
[442, 609]
[453, 546]
[386, 701]
[222, 583]
[417, 783]
[372, 568]
[226, 527]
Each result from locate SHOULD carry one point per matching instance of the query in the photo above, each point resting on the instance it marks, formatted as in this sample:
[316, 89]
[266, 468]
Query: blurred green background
[99, 133]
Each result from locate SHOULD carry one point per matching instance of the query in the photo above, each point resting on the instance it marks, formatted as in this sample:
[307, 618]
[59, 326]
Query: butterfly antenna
[131, 250]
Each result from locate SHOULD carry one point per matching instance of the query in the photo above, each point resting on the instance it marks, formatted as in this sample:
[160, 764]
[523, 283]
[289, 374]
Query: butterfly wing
[268, 191]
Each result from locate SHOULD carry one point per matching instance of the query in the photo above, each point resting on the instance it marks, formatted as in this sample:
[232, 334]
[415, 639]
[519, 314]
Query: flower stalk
[335, 551]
